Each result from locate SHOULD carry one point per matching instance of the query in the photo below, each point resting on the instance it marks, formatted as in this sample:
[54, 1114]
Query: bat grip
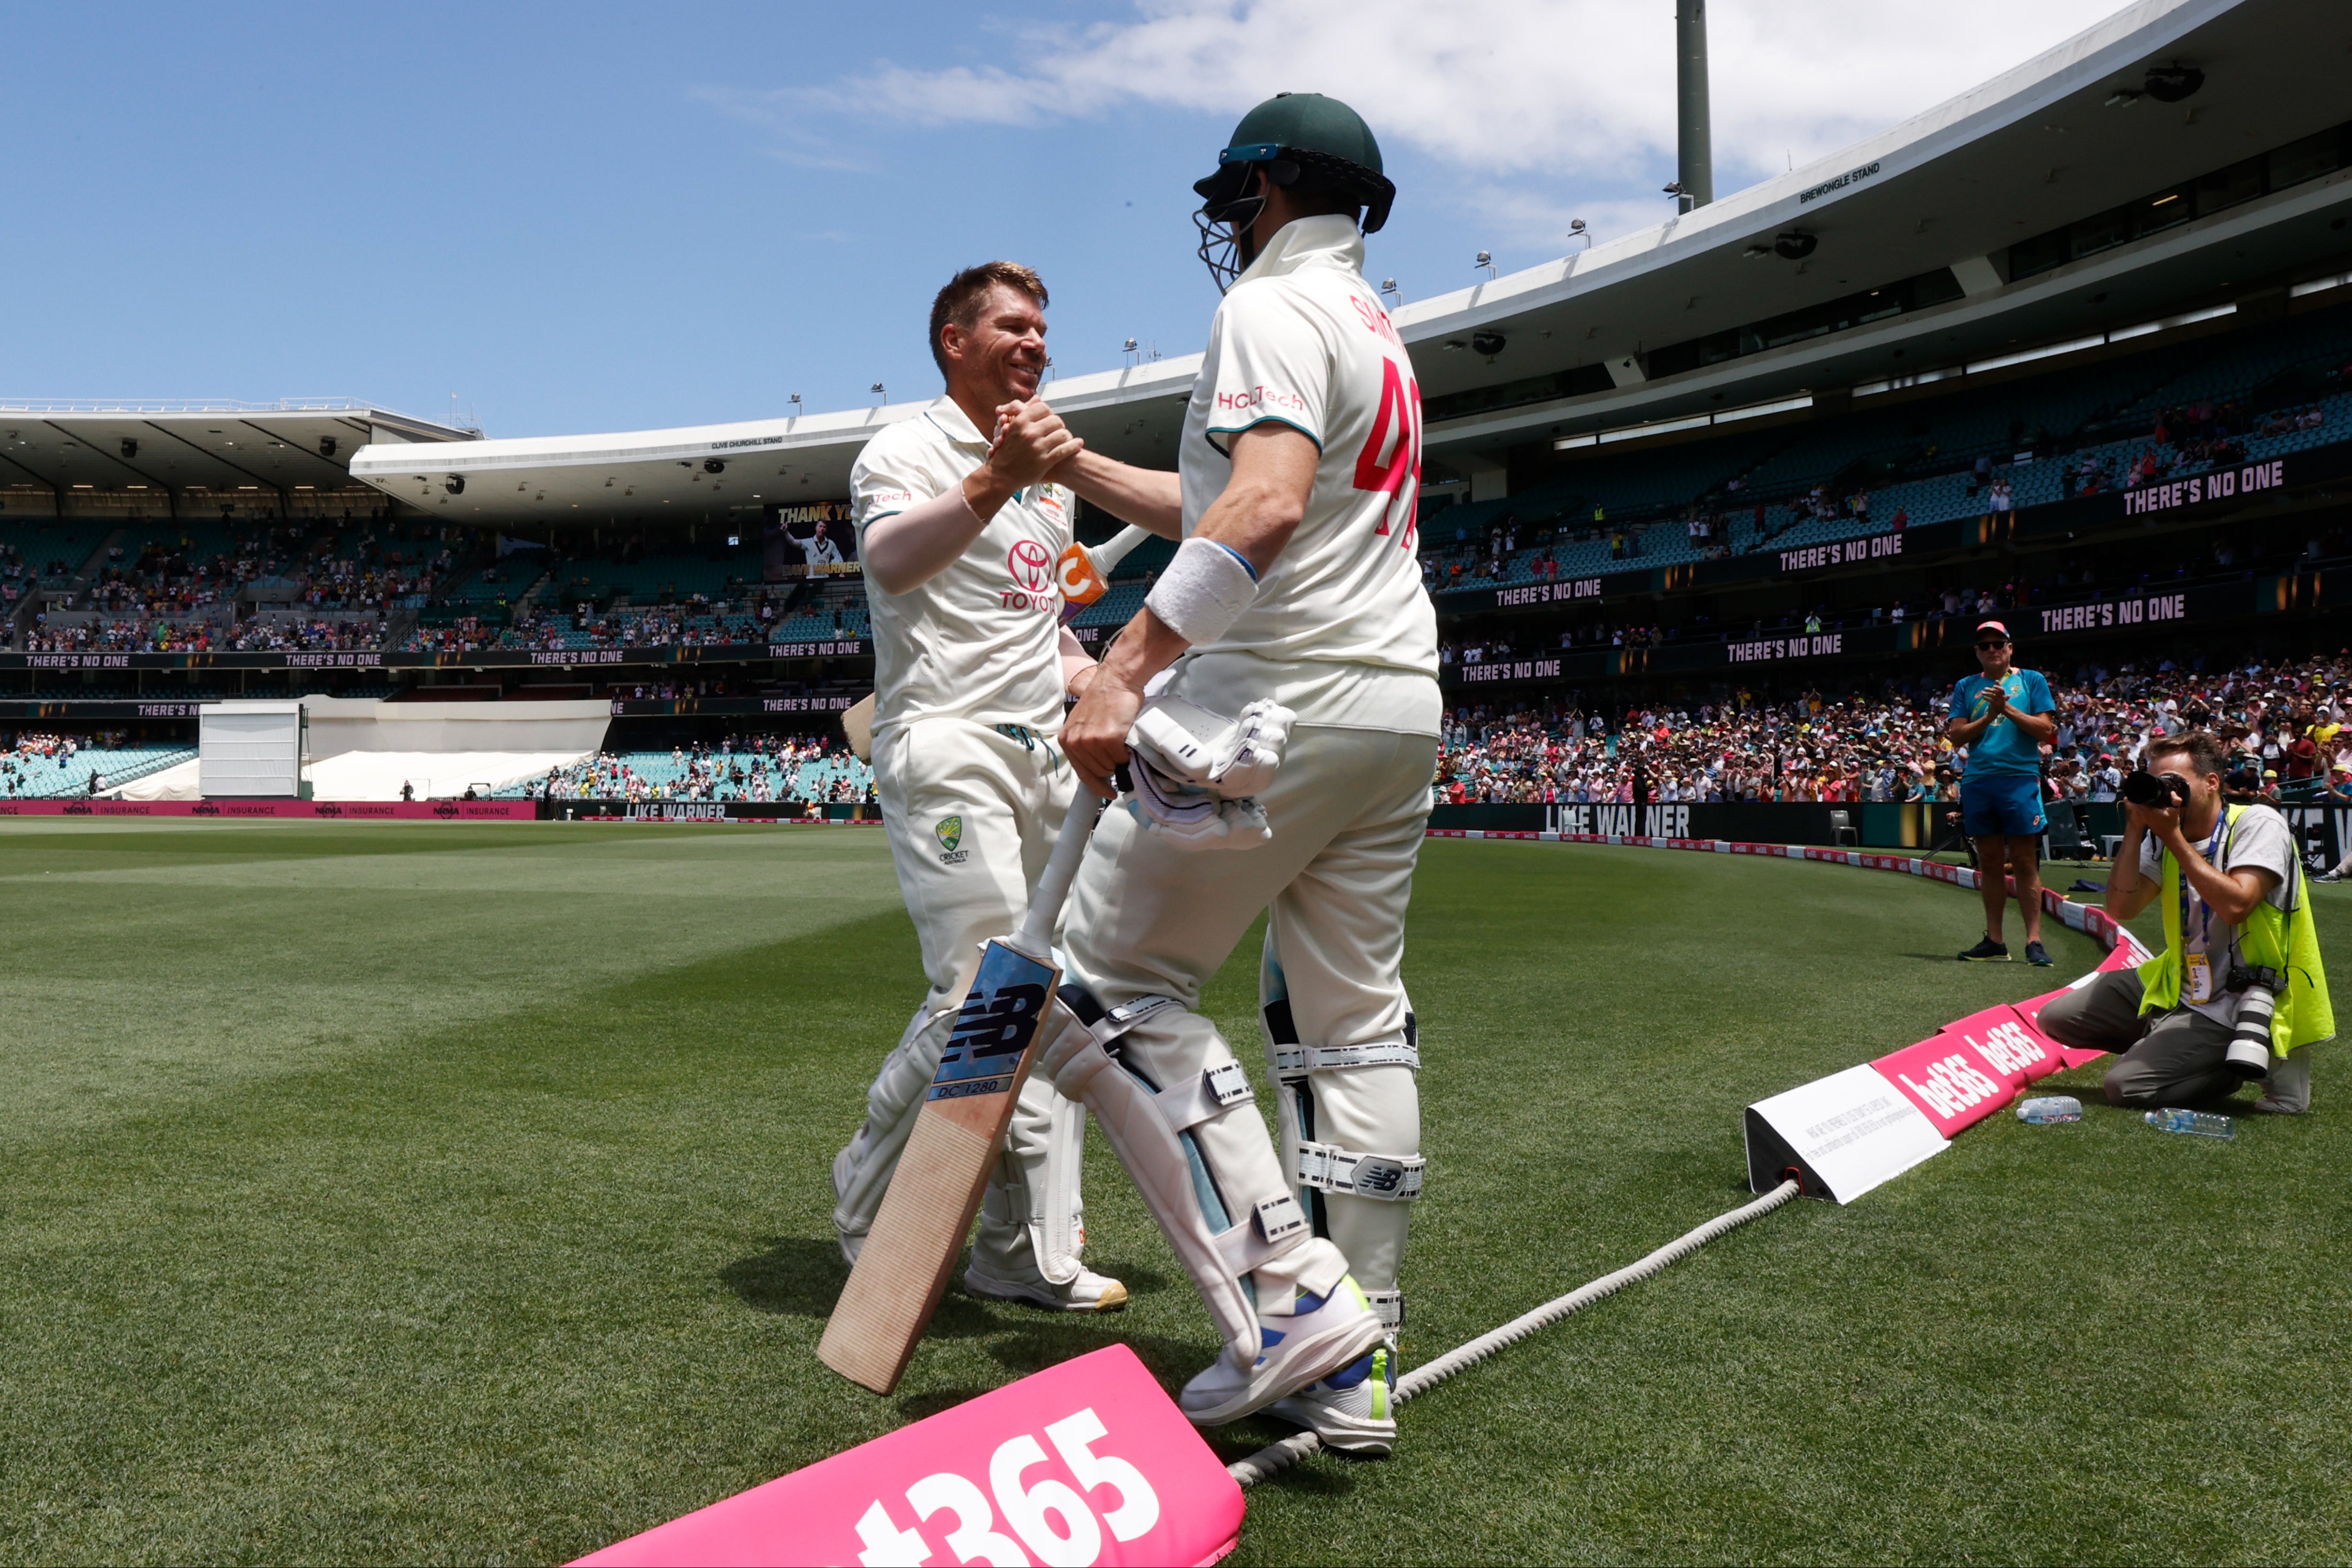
[1036, 936]
[1114, 550]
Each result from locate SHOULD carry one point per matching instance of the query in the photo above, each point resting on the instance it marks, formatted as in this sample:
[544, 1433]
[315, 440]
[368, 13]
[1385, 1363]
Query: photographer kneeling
[2189, 1025]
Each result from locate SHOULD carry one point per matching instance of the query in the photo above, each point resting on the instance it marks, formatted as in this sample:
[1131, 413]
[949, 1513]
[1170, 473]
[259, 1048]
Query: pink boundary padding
[1950, 1079]
[2123, 950]
[1150, 1479]
[347, 810]
[2005, 1035]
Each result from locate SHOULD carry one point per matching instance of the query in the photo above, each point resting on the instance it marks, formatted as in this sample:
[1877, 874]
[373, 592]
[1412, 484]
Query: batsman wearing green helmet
[1291, 638]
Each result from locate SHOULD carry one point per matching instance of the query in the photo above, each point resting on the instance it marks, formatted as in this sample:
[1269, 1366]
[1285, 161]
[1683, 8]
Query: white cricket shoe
[1323, 1335]
[1003, 1266]
[1089, 1293]
[1354, 1408]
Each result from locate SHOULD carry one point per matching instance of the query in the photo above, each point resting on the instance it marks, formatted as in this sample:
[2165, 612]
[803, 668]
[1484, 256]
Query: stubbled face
[1001, 356]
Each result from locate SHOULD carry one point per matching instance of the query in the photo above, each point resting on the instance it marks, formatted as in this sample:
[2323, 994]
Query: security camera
[1487, 343]
[455, 484]
[714, 465]
[326, 447]
[1795, 245]
[2171, 83]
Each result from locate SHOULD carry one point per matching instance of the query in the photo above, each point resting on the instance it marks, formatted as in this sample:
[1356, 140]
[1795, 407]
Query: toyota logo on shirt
[1032, 565]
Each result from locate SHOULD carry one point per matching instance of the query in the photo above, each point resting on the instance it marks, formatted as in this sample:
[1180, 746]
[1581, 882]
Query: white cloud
[1498, 89]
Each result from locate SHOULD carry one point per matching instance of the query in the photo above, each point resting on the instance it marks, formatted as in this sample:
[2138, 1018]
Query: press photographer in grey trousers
[2235, 905]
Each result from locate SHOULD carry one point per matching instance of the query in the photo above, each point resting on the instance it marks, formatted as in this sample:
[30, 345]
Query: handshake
[1030, 441]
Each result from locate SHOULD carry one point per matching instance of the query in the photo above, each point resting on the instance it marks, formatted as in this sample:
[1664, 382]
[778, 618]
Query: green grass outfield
[442, 1193]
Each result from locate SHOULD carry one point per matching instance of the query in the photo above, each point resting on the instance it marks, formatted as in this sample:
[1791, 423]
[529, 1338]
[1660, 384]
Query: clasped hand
[1030, 441]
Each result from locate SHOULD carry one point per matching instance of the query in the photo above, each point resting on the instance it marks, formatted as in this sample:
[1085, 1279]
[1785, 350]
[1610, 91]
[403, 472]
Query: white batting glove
[1243, 760]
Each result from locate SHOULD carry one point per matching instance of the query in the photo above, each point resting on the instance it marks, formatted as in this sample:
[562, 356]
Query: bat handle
[1112, 551]
[1036, 936]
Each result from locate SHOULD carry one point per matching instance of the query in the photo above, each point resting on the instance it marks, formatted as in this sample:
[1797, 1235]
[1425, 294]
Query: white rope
[1281, 1456]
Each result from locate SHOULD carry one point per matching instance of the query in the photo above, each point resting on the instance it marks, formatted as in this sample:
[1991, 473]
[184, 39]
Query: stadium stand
[758, 768]
[2287, 719]
[43, 765]
[2241, 397]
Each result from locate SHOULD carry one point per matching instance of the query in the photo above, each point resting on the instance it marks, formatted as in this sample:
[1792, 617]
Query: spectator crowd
[2287, 722]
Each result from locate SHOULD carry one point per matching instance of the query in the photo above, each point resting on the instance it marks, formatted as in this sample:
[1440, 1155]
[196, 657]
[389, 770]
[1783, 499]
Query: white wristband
[1203, 592]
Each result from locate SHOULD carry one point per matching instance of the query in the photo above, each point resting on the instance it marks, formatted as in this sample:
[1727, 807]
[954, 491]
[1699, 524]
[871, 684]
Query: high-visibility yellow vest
[2270, 939]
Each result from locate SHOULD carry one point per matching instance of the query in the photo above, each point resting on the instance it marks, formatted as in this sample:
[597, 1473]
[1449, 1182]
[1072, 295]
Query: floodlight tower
[1695, 158]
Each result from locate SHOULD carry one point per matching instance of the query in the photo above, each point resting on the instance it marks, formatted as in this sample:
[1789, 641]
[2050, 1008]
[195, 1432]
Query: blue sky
[603, 217]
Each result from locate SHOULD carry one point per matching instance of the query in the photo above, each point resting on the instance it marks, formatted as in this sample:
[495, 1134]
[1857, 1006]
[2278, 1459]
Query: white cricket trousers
[972, 813]
[1348, 808]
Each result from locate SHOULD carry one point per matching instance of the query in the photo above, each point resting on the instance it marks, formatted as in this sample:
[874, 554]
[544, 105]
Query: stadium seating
[1919, 461]
[807, 774]
[35, 774]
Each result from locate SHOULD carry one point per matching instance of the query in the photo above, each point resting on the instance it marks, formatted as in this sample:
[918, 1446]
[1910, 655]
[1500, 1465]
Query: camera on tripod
[2159, 791]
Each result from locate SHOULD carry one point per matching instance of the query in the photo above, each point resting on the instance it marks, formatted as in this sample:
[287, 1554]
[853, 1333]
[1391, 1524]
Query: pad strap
[1292, 1063]
[1388, 1307]
[1276, 1226]
[1392, 1178]
[1118, 1021]
[1196, 1099]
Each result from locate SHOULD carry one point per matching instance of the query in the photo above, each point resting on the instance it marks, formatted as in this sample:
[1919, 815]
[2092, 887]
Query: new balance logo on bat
[997, 1024]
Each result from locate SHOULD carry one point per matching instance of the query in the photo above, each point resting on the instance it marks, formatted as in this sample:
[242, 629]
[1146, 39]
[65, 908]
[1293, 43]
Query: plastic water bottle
[2204, 1124]
[2051, 1108]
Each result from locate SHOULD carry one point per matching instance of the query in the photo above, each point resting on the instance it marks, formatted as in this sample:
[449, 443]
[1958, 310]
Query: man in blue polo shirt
[2004, 718]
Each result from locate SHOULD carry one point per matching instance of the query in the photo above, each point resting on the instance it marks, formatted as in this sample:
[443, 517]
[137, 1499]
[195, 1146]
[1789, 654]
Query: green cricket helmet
[1300, 139]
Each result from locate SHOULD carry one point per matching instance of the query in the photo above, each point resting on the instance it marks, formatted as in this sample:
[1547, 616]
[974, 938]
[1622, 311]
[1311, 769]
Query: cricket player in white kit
[958, 530]
[1298, 582]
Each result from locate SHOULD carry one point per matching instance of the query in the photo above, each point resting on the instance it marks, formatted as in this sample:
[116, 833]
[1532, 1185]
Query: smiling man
[959, 532]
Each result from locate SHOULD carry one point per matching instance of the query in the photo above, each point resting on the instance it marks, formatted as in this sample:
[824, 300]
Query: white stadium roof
[216, 450]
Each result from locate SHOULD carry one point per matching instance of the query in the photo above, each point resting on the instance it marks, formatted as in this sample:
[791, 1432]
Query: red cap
[1993, 626]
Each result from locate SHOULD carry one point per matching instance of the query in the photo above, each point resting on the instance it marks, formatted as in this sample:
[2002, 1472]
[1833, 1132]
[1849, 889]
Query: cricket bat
[918, 1232]
[1083, 572]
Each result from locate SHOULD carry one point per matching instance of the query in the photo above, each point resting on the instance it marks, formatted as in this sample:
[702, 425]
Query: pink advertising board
[1087, 1462]
[1949, 1080]
[2009, 1039]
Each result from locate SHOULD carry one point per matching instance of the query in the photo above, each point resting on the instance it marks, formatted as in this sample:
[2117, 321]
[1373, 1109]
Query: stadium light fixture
[1795, 245]
[1486, 260]
[2172, 82]
[1389, 288]
[877, 389]
[1576, 230]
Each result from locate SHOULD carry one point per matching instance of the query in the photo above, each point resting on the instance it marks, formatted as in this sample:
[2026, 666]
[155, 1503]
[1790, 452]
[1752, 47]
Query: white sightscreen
[250, 750]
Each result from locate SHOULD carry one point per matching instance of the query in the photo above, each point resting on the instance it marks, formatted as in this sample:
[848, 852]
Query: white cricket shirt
[982, 640]
[1341, 630]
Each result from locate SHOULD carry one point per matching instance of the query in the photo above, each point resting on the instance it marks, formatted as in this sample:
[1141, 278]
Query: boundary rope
[1275, 1457]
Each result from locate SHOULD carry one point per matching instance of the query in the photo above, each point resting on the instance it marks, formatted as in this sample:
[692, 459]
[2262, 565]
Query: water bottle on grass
[2204, 1124]
[2051, 1108]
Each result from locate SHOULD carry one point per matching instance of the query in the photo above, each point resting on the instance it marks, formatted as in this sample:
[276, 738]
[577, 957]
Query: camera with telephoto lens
[2159, 791]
